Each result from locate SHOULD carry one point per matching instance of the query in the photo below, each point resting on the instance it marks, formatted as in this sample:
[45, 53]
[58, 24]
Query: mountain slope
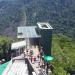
[59, 13]
[63, 51]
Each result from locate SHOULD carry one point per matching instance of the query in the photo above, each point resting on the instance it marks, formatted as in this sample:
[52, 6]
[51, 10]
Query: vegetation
[63, 51]
[59, 13]
[5, 48]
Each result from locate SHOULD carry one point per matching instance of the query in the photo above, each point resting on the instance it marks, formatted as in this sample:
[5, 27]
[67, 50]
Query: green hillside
[59, 13]
[63, 51]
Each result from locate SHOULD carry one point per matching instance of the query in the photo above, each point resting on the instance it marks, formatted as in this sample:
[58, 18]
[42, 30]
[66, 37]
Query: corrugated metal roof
[18, 45]
[27, 32]
[18, 67]
[2, 67]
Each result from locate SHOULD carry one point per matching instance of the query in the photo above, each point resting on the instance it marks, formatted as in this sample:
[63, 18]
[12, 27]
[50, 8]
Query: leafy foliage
[63, 51]
[5, 47]
[59, 13]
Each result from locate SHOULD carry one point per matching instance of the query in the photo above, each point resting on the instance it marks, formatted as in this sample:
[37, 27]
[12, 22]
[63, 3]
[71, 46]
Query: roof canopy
[27, 32]
[18, 67]
[18, 45]
[48, 58]
[2, 67]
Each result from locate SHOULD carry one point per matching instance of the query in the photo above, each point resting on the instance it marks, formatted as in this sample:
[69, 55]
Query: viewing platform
[22, 65]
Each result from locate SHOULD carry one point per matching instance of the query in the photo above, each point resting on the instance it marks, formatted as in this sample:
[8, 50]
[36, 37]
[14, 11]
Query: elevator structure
[45, 30]
[41, 35]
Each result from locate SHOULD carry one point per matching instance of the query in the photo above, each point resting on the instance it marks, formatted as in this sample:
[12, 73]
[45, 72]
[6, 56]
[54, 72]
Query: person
[41, 57]
[0, 62]
[51, 67]
[3, 60]
[27, 51]
[41, 52]
[31, 53]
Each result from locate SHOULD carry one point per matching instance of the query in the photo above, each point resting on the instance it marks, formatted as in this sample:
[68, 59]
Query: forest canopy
[63, 51]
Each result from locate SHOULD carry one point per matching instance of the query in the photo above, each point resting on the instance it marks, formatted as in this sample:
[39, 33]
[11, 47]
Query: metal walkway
[23, 66]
